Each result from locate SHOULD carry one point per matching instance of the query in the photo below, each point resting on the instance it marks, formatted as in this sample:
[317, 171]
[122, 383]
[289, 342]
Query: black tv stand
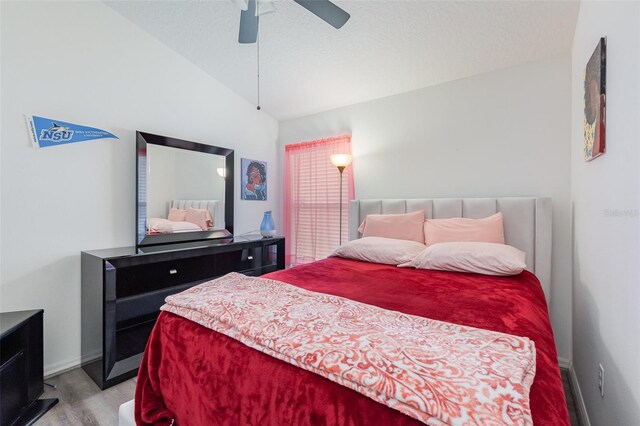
[22, 370]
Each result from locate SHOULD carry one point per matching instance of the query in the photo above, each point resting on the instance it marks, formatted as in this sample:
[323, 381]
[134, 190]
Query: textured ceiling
[386, 48]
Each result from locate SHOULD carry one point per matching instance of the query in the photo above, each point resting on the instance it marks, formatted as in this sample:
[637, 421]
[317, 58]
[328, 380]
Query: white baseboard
[61, 367]
[564, 363]
[68, 365]
[577, 395]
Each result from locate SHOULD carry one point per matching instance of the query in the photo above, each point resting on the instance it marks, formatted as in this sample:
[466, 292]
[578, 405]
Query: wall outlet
[601, 379]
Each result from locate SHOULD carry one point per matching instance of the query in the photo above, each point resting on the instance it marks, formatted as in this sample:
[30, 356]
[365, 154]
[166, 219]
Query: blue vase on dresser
[267, 227]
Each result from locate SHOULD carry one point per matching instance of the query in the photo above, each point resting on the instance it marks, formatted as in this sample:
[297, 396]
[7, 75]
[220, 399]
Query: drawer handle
[173, 271]
[249, 257]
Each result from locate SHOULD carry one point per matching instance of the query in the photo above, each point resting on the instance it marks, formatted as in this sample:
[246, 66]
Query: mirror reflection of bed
[186, 190]
[188, 216]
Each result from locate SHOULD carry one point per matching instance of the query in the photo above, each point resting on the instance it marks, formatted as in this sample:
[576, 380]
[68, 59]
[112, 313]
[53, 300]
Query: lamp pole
[341, 169]
[341, 161]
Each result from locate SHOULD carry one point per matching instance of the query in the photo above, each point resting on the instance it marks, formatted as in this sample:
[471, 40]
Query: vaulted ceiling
[386, 48]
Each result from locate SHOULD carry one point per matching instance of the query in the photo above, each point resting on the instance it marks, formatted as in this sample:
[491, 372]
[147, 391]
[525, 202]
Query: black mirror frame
[142, 239]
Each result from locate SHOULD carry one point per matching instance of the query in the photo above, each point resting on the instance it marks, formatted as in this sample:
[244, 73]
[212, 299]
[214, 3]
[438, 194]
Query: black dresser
[123, 289]
[21, 369]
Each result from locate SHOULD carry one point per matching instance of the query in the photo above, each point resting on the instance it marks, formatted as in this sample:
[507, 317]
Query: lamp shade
[341, 160]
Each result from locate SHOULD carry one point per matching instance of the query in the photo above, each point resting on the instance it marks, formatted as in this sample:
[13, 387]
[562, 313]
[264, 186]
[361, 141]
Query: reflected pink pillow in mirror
[177, 215]
[198, 217]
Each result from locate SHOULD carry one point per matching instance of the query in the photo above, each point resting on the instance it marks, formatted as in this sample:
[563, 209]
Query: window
[312, 199]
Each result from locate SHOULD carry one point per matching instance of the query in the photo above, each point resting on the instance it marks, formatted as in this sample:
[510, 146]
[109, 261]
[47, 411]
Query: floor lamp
[341, 161]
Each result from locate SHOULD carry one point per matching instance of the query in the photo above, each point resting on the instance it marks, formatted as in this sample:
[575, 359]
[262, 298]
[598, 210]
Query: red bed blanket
[199, 377]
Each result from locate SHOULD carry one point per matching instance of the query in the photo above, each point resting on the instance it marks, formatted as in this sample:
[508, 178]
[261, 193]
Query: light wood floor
[82, 402]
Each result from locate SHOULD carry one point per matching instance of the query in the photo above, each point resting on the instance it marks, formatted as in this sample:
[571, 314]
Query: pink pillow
[379, 250]
[479, 258]
[177, 215]
[198, 217]
[460, 229]
[407, 226]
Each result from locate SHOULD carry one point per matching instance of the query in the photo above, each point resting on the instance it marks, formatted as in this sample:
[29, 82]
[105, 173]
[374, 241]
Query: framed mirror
[184, 190]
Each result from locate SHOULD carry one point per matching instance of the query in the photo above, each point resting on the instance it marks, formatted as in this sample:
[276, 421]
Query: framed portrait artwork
[594, 102]
[254, 179]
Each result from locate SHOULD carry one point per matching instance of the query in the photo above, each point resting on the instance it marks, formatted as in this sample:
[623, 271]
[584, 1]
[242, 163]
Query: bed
[197, 376]
[215, 209]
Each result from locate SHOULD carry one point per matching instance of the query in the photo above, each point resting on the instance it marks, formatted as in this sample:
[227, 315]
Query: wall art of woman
[255, 186]
[594, 103]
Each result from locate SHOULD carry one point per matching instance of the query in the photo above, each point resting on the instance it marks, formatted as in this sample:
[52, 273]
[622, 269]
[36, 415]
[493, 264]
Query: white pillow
[480, 258]
[165, 226]
[379, 250]
[184, 227]
[158, 224]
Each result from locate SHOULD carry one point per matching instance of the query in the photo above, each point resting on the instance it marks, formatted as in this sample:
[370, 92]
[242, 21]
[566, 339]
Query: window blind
[312, 199]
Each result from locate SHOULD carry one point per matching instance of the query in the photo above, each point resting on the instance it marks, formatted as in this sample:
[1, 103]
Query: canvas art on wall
[254, 179]
[594, 102]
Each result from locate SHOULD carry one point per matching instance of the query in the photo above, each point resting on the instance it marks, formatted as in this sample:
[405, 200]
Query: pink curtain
[312, 199]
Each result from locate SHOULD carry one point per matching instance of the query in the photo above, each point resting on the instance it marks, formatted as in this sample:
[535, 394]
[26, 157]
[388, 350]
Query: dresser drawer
[151, 277]
[141, 305]
[239, 260]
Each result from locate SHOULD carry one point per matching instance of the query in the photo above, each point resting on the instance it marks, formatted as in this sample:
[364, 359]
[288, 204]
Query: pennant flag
[45, 132]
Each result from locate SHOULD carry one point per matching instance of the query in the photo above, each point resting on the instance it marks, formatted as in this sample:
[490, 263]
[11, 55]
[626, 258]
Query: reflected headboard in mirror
[194, 178]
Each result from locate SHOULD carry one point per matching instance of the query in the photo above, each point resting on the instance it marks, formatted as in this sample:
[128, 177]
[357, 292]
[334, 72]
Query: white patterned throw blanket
[433, 371]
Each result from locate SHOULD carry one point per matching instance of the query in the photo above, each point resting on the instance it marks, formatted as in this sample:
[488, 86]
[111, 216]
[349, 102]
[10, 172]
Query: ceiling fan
[252, 9]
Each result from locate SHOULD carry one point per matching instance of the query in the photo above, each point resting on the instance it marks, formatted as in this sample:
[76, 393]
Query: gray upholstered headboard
[527, 222]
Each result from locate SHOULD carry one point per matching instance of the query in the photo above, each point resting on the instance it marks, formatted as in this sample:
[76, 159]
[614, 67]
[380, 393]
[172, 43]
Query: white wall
[161, 179]
[177, 174]
[503, 133]
[82, 62]
[606, 198]
[197, 176]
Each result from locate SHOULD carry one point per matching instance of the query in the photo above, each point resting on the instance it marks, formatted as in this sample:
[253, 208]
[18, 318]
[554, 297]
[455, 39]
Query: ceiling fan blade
[327, 11]
[248, 24]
